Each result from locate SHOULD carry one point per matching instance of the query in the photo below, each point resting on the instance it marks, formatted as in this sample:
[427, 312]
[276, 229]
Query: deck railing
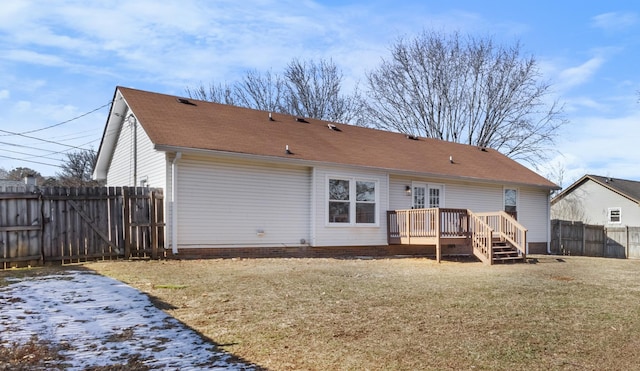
[431, 226]
[424, 223]
[506, 227]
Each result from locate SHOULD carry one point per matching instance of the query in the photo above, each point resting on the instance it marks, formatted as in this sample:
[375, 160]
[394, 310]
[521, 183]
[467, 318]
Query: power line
[35, 162]
[40, 139]
[58, 124]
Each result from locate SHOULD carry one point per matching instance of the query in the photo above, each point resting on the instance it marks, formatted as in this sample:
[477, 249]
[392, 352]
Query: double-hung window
[352, 201]
[614, 215]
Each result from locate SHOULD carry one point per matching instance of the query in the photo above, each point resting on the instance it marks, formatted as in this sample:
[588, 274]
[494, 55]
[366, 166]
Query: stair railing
[481, 235]
[507, 229]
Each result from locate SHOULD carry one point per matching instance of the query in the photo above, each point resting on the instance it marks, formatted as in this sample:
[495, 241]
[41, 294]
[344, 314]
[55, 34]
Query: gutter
[174, 203]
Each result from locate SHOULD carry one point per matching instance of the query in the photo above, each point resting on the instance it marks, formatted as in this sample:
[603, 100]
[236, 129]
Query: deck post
[438, 236]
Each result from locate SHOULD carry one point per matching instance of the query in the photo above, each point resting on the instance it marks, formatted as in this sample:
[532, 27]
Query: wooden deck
[440, 227]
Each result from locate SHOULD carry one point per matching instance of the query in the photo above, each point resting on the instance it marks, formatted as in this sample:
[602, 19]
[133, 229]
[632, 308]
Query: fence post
[153, 224]
[626, 245]
[584, 238]
[560, 245]
[127, 222]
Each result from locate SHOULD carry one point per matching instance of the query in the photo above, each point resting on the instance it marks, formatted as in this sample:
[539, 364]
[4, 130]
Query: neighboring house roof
[626, 188]
[177, 124]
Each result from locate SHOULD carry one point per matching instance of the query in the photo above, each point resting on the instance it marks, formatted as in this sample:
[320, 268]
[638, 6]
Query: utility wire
[40, 139]
[35, 162]
[58, 124]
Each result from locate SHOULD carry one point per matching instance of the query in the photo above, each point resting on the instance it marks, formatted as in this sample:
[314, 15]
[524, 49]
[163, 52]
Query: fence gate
[59, 224]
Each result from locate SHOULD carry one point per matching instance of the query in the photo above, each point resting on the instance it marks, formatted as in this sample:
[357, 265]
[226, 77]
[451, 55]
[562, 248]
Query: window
[615, 215]
[510, 200]
[434, 197]
[352, 201]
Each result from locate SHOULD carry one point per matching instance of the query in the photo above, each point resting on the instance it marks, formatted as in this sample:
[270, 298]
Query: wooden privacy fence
[66, 225]
[576, 238]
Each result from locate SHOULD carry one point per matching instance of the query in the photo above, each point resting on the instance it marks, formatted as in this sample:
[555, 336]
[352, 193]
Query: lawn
[555, 313]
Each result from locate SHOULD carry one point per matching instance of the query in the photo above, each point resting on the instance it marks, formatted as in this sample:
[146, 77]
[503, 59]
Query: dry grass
[404, 314]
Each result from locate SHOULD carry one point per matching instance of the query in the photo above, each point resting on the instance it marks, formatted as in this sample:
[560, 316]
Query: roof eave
[313, 163]
[110, 136]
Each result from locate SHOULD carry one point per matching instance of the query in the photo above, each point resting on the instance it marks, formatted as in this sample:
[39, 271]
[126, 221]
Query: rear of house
[246, 182]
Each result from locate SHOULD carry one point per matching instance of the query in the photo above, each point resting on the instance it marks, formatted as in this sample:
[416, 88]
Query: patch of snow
[101, 321]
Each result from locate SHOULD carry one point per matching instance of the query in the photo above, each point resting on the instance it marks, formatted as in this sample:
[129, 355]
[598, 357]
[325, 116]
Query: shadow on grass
[41, 354]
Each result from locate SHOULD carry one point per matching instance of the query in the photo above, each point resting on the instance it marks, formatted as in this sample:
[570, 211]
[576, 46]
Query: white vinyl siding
[532, 213]
[236, 203]
[149, 162]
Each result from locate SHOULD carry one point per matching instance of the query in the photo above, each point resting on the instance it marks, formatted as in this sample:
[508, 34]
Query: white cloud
[615, 21]
[601, 146]
[4, 94]
[574, 76]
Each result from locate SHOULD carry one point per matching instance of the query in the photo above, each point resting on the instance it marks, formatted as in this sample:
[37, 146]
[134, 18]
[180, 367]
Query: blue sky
[62, 61]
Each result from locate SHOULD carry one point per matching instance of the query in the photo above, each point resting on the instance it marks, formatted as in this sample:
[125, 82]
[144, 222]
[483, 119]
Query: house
[599, 200]
[241, 181]
[8, 185]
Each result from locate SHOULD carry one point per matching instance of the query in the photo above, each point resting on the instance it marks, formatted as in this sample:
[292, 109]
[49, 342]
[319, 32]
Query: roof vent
[483, 149]
[333, 127]
[185, 101]
[271, 117]
[300, 119]
[412, 137]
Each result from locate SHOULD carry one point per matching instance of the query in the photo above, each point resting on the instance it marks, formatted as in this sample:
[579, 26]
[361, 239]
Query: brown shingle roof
[217, 127]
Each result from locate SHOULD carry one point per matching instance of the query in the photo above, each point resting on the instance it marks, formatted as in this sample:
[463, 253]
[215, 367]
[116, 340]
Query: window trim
[352, 201]
[619, 210]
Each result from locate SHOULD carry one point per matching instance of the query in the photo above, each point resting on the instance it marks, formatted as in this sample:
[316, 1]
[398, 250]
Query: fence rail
[576, 238]
[66, 225]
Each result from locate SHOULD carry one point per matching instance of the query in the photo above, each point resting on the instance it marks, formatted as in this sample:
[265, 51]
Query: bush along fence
[70, 225]
[577, 238]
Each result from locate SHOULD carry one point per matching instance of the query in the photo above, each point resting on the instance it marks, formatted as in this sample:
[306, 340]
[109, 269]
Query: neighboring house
[7, 185]
[238, 180]
[599, 200]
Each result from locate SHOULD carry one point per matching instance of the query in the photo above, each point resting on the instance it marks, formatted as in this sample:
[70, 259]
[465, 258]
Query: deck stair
[493, 237]
[505, 252]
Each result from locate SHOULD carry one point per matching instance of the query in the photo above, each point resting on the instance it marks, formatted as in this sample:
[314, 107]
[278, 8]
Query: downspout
[174, 203]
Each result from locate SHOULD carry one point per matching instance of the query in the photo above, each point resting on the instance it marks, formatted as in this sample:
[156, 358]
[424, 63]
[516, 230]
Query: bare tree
[20, 173]
[571, 207]
[465, 90]
[213, 93]
[314, 90]
[77, 170]
[306, 88]
[261, 91]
